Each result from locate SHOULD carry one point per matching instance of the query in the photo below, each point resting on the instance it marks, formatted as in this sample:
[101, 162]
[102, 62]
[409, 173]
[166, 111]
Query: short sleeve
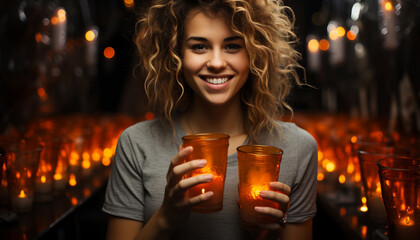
[124, 195]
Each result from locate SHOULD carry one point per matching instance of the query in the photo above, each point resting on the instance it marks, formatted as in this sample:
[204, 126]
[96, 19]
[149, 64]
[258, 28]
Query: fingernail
[208, 195]
[201, 163]
[263, 193]
[258, 209]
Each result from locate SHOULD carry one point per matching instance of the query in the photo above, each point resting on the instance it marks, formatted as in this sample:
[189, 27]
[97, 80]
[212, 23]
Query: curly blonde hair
[267, 29]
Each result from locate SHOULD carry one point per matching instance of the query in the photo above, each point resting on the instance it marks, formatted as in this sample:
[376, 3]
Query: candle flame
[72, 180]
[22, 194]
[43, 179]
[58, 176]
[342, 179]
[255, 191]
[106, 161]
[320, 177]
[203, 190]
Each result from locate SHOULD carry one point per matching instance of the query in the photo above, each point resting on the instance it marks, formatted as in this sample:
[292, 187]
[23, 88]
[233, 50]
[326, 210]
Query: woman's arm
[297, 231]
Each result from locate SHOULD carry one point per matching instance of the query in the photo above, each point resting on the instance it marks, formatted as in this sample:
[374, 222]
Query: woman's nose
[216, 60]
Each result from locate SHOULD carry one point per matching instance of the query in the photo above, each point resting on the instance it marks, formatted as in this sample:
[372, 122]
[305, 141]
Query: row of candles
[54, 154]
[350, 155]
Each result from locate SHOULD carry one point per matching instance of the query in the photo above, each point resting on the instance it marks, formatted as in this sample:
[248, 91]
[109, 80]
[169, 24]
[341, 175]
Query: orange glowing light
[90, 35]
[203, 190]
[73, 201]
[330, 167]
[333, 34]
[149, 116]
[128, 3]
[41, 92]
[22, 194]
[407, 221]
[320, 155]
[343, 211]
[107, 153]
[96, 155]
[320, 177]
[38, 37]
[28, 174]
[54, 20]
[58, 176]
[388, 6]
[357, 177]
[364, 200]
[255, 191]
[324, 45]
[350, 168]
[86, 164]
[72, 180]
[342, 179]
[353, 139]
[364, 208]
[109, 52]
[18, 175]
[61, 15]
[313, 45]
[86, 192]
[86, 156]
[351, 35]
[364, 231]
[341, 31]
[43, 179]
[106, 161]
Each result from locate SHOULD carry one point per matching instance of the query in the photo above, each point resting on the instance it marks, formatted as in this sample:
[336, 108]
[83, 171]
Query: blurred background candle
[214, 148]
[400, 183]
[22, 159]
[368, 156]
[258, 165]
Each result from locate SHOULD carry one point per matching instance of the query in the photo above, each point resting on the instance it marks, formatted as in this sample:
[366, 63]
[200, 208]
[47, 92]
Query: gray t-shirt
[138, 178]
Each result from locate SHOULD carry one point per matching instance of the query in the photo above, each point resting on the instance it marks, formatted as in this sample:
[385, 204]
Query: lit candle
[214, 186]
[59, 22]
[406, 228]
[21, 202]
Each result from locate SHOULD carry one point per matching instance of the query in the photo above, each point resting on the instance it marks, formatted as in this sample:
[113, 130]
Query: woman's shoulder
[292, 134]
[144, 129]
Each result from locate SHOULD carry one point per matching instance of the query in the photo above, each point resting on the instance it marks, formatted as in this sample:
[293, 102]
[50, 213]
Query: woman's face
[215, 60]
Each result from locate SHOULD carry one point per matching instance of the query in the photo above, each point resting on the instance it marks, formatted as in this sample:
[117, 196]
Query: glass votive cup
[368, 156]
[258, 165]
[61, 174]
[22, 159]
[214, 148]
[400, 183]
[44, 182]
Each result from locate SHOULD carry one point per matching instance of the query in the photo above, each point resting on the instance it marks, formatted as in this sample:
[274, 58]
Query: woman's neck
[204, 117]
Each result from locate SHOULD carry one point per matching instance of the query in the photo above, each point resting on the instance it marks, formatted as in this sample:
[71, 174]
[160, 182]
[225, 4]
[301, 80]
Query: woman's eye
[198, 47]
[233, 47]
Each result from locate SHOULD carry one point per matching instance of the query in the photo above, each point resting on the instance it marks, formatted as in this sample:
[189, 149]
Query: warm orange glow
[109, 52]
[73, 201]
[74, 156]
[320, 155]
[107, 153]
[72, 180]
[90, 35]
[85, 164]
[38, 37]
[41, 92]
[330, 167]
[86, 192]
[43, 179]
[54, 20]
[320, 177]
[29, 173]
[106, 161]
[128, 3]
[364, 208]
[58, 176]
[342, 179]
[343, 211]
[22, 194]
[86, 156]
[96, 155]
[407, 221]
[350, 168]
[388, 6]
[324, 44]
[61, 15]
[333, 34]
[351, 35]
[149, 116]
[353, 139]
[313, 45]
[341, 32]
[255, 191]
[203, 190]
[357, 177]
[364, 200]
[18, 175]
[364, 231]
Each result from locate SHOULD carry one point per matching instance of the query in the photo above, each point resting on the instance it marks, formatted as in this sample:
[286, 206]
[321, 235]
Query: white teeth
[217, 80]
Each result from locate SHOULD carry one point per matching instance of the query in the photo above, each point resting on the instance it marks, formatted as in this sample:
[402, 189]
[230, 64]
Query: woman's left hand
[280, 194]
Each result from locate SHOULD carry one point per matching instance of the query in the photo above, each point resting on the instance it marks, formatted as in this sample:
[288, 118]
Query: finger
[186, 183]
[200, 198]
[275, 196]
[270, 226]
[276, 213]
[281, 187]
[184, 168]
[176, 160]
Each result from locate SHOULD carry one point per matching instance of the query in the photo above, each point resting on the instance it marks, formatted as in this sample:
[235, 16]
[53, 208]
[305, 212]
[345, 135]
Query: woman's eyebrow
[202, 39]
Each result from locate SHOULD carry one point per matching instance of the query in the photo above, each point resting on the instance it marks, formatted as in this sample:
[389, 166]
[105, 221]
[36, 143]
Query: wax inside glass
[214, 148]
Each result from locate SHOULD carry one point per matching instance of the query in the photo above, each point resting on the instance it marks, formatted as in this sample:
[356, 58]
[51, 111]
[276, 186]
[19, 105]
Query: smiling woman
[212, 66]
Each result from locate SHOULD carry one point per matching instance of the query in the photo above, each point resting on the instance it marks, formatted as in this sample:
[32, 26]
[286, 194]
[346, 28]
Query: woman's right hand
[175, 207]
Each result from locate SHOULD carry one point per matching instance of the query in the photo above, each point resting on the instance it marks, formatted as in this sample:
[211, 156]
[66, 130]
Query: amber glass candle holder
[400, 183]
[258, 165]
[22, 159]
[214, 148]
[368, 156]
